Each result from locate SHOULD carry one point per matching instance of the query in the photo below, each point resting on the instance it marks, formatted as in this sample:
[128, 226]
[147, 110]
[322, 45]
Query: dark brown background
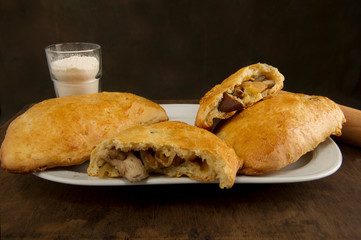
[178, 49]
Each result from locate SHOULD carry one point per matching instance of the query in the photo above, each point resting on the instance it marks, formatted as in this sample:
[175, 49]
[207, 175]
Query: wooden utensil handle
[351, 131]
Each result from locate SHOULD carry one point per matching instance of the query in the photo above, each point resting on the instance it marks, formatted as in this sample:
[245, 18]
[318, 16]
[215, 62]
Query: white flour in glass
[75, 75]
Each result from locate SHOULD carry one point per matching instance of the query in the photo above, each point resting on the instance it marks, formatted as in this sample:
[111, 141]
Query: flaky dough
[63, 131]
[209, 104]
[204, 156]
[277, 131]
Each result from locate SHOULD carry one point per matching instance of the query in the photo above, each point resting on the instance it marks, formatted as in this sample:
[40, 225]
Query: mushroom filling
[127, 164]
[135, 165]
[240, 97]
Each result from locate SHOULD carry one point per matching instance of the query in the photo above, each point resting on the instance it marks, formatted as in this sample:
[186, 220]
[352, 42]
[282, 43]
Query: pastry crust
[280, 129]
[63, 131]
[176, 149]
[245, 86]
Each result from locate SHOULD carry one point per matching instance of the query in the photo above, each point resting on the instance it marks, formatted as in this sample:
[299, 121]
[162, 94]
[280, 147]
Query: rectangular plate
[322, 162]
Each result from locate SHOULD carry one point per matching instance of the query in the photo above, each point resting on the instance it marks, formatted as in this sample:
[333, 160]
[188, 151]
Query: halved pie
[170, 148]
[239, 91]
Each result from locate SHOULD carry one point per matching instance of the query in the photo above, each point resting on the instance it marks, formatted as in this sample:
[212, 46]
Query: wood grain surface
[33, 208]
[329, 208]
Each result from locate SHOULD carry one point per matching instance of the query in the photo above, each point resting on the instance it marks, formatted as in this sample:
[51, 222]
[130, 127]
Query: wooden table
[329, 208]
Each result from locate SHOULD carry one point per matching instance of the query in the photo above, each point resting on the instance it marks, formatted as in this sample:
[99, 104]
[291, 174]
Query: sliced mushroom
[234, 101]
[267, 82]
[229, 104]
[238, 91]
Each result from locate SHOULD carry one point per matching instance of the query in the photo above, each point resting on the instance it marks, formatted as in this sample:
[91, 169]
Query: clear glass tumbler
[75, 68]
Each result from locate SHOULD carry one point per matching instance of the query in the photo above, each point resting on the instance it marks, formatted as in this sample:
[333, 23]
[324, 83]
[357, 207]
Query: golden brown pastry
[239, 91]
[63, 131]
[170, 148]
[277, 131]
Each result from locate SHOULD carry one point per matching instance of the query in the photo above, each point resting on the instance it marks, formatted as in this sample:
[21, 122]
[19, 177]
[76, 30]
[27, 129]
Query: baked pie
[277, 131]
[63, 131]
[239, 91]
[170, 148]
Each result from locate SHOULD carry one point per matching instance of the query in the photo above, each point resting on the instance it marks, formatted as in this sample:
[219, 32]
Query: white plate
[322, 162]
